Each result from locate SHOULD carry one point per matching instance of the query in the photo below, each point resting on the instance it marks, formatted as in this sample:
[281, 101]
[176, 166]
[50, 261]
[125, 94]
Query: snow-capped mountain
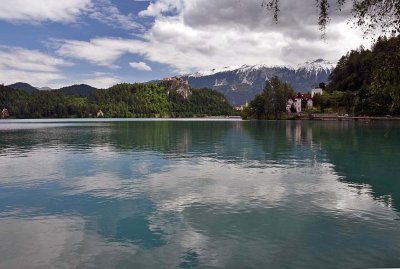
[317, 66]
[241, 83]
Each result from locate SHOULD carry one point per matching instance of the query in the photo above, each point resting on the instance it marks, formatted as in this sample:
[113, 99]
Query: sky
[104, 42]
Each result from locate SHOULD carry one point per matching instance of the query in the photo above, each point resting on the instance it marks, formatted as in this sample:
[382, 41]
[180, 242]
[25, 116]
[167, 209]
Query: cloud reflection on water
[56, 242]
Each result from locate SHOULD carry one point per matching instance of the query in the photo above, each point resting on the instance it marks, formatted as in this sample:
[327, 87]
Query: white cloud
[157, 8]
[204, 34]
[100, 80]
[39, 11]
[101, 51]
[39, 69]
[35, 11]
[105, 12]
[24, 59]
[18, 64]
[140, 66]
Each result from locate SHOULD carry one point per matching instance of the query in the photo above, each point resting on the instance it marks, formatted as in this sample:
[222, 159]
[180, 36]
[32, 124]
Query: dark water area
[199, 194]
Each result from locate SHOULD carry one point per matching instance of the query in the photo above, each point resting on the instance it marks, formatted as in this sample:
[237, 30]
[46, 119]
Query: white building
[310, 103]
[316, 91]
[4, 113]
[299, 102]
[289, 105]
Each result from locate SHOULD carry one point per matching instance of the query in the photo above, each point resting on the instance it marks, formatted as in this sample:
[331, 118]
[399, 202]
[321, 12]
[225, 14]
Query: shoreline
[322, 117]
[95, 120]
[297, 117]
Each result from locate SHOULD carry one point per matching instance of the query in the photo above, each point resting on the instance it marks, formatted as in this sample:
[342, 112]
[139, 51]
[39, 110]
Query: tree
[271, 103]
[353, 71]
[260, 107]
[277, 93]
[371, 15]
[387, 77]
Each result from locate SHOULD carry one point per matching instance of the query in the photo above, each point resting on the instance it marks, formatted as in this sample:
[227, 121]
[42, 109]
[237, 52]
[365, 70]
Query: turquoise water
[199, 194]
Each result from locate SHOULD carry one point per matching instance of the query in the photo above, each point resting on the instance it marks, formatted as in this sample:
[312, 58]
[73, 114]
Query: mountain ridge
[241, 83]
[76, 89]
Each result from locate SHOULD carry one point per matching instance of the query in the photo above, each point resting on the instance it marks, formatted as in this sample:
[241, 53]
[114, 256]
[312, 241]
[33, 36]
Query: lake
[199, 194]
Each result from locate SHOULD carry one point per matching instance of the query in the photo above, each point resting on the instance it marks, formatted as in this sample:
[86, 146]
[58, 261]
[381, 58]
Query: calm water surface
[199, 194]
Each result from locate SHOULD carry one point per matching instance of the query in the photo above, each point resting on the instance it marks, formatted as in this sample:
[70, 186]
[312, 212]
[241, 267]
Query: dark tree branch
[382, 16]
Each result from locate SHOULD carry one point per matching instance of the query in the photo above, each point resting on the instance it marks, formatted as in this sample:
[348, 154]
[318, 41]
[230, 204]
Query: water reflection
[200, 194]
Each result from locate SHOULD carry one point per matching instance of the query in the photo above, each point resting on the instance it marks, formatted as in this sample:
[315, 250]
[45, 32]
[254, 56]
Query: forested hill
[122, 100]
[23, 86]
[81, 89]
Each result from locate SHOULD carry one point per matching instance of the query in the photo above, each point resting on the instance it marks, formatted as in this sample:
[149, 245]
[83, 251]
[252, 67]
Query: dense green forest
[122, 100]
[366, 82]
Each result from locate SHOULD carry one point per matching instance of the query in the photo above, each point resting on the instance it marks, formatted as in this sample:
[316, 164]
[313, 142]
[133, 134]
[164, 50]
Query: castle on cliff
[178, 84]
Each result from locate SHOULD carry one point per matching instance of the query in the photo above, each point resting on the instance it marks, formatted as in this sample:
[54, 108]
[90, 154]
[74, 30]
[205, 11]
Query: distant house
[299, 102]
[240, 108]
[302, 101]
[310, 103]
[100, 114]
[4, 113]
[316, 91]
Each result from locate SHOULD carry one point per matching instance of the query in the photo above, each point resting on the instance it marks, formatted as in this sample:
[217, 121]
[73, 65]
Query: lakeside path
[337, 117]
